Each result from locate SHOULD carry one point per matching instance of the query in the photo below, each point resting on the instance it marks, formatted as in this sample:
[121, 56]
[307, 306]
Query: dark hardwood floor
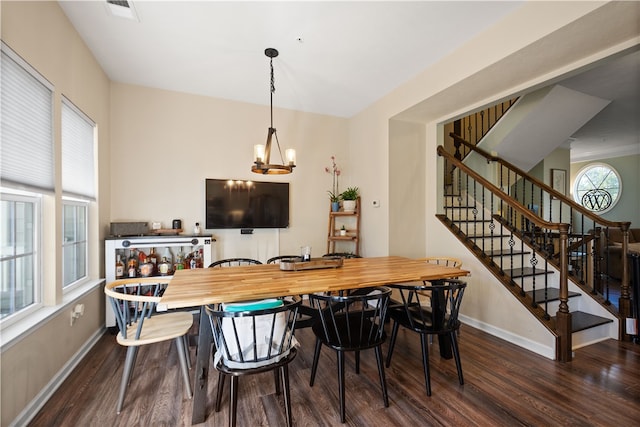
[504, 386]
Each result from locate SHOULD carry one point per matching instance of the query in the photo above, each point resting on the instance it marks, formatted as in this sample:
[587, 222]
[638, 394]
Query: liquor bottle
[168, 255]
[142, 257]
[132, 264]
[164, 267]
[179, 262]
[119, 268]
[146, 269]
[154, 259]
[200, 259]
[132, 270]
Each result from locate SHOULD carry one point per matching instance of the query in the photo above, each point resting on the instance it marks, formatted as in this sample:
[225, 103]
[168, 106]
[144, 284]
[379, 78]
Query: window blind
[26, 125]
[77, 152]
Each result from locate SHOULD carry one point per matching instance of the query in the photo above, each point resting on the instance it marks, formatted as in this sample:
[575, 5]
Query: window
[597, 187]
[74, 245]
[18, 253]
[77, 182]
[26, 174]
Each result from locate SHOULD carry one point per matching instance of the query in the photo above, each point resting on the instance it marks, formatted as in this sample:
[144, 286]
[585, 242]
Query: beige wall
[165, 144]
[41, 34]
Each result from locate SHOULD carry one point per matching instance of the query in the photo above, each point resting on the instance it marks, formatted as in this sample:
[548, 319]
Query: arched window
[597, 187]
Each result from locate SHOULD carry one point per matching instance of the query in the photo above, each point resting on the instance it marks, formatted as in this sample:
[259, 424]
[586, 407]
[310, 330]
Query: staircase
[551, 267]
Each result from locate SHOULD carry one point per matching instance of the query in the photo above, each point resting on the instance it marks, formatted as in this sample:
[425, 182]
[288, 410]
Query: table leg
[202, 370]
[438, 304]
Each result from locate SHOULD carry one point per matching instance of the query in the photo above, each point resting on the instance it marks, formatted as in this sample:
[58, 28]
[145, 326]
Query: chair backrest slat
[252, 338]
[354, 319]
[233, 262]
[278, 259]
[441, 315]
[134, 300]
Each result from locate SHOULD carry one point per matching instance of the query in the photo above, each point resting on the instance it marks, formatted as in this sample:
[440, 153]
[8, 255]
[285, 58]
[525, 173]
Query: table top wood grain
[197, 287]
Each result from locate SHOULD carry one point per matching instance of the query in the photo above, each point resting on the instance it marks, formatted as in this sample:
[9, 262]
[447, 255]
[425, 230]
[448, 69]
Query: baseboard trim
[536, 347]
[32, 409]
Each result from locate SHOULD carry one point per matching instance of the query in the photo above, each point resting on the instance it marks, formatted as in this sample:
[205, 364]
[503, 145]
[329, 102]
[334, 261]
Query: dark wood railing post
[563, 316]
[625, 294]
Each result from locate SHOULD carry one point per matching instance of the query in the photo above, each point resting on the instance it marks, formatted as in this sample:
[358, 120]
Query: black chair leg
[233, 403]
[383, 381]
[219, 391]
[456, 356]
[357, 362]
[287, 394]
[392, 341]
[277, 379]
[425, 362]
[316, 357]
[341, 384]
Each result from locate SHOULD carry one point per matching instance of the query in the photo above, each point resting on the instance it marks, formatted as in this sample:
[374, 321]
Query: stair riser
[593, 335]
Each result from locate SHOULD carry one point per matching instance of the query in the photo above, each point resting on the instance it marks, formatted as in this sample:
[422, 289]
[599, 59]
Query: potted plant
[334, 194]
[335, 201]
[349, 197]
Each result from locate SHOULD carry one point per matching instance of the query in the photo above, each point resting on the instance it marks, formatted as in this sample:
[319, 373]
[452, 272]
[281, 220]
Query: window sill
[19, 330]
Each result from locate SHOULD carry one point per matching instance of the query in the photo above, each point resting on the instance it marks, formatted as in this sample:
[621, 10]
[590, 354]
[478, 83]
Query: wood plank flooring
[504, 386]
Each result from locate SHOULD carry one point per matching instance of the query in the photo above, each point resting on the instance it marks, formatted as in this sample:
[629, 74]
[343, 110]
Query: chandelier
[262, 153]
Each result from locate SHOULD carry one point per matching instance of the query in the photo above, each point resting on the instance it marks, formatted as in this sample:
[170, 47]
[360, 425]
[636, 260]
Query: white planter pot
[349, 205]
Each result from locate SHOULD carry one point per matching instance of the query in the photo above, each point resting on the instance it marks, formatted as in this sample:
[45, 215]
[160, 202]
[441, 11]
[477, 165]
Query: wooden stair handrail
[623, 225]
[559, 226]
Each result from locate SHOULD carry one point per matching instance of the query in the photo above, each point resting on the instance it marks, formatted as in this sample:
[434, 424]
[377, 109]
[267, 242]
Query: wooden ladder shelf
[350, 242]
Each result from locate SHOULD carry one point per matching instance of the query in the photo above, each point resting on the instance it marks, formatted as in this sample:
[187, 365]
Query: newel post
[563, 316]
[625, 292]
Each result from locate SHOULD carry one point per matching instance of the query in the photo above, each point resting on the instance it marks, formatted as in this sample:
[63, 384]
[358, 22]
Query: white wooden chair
[134, 303]
[443, 260]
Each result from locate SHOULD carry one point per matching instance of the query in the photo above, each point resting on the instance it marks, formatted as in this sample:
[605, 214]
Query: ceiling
[336, 58]
[616, 129]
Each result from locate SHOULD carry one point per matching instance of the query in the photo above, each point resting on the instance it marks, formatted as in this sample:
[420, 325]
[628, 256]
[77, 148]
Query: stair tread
[552, 294]
[486, 236]
[581, 321]
[526, 272]
[505, 252]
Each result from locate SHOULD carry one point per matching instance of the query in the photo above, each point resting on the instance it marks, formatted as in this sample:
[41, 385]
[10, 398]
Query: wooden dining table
[203, 286]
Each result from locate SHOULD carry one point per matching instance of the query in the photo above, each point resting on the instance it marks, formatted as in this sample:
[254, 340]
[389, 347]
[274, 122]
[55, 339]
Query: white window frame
[83, 206]
[582, 172]
[78, 188]
[36, 199]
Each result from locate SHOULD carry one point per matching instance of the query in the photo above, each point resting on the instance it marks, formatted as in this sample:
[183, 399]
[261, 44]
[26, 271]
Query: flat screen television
[246, 204]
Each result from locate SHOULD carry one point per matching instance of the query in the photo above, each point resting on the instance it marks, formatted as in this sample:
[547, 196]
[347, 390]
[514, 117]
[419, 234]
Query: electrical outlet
[77, 311]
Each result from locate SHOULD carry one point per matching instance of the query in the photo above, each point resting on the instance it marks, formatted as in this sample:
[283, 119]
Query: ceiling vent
[122, 9]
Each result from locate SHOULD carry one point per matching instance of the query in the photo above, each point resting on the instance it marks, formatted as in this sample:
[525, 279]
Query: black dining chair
[429, 309]
[234, 262]
[306, 314]
[350, 322]
[279, 258]
[254, 337]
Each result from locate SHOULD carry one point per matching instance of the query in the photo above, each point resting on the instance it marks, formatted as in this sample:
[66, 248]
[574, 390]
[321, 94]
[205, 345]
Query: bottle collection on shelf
[139, 264]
